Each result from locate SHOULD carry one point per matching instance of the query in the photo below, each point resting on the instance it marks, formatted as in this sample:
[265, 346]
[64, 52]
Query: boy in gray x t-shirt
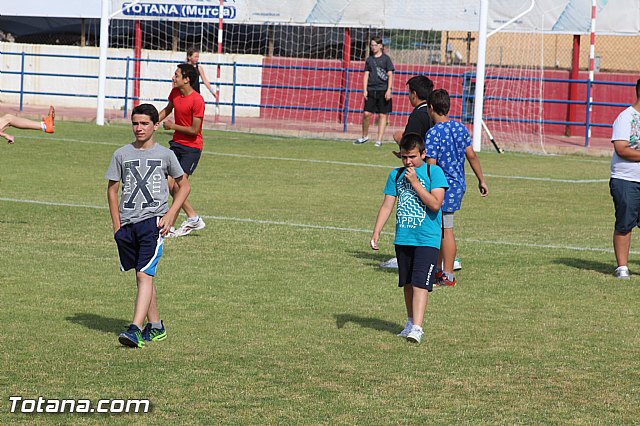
[143, 173]
[141, 217]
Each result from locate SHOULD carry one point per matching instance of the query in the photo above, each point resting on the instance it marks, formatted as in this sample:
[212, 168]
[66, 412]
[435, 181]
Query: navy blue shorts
[376, 103]
[188, 157]
[417, 266]
[140, 246]
[626, 200]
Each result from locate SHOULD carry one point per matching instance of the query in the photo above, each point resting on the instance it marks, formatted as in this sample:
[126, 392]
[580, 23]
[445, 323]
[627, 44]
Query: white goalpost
[104, 46]
[483, 35]
[480, 74]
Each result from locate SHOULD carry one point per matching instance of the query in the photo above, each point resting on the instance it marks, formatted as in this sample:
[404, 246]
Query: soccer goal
[510, 75]
[305, 73]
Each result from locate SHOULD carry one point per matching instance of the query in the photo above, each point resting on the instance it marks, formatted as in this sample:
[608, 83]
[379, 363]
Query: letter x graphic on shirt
[141, 183]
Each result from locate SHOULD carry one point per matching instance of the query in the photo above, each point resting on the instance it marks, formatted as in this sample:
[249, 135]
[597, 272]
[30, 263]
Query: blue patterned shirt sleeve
[432, 143]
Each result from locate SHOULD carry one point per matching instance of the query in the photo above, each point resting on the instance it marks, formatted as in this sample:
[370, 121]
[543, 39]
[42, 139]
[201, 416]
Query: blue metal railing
[346, 91]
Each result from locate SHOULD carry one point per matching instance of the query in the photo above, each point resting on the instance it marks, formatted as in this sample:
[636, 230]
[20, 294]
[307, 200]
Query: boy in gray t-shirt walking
[142, 217]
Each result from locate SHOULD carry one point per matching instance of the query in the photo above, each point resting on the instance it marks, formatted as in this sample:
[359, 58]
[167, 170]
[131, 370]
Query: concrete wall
[79, 87]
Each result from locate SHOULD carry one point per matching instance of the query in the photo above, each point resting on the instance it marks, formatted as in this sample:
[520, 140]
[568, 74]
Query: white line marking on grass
[561, 157]
[339, 163]
[299, 160]
[51, 203]
[73, 140]
[295, 225]
[328, 228]
[545, 179]
[344, 163]
[546, 246]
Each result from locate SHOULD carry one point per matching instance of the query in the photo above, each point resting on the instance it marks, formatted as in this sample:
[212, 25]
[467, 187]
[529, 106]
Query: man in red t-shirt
[187, 106]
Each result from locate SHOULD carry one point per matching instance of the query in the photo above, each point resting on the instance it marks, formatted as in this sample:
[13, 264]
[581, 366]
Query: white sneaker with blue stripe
[391, 263]
[415, 335]
[622, 272]
[188, 226]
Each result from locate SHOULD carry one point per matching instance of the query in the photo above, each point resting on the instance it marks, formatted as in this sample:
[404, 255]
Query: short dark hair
[422, 85]
[410, 141]
[638, 88]
[378, 40]
[147, 109]
[440, 101]
[189, 71]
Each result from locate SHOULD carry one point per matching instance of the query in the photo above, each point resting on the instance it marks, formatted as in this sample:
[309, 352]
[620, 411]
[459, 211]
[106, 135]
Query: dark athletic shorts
[417, 266]
[187, 156]
[140, 246]
[626, 200]
[376, 103]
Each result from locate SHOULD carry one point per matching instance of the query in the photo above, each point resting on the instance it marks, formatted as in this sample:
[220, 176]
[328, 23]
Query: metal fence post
[21, 79]
[587, 124]
[233, 93]
[345, 114]
[126, 88]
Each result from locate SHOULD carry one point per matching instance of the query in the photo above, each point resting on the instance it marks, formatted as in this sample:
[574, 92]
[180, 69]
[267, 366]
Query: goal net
[308, 78]
[514, 90]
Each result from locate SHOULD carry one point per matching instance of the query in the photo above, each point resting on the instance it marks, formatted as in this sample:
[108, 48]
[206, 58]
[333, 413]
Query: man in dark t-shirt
[377, 85]
[420, 87]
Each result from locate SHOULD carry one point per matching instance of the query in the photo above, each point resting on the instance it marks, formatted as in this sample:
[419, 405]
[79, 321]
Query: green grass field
[277, 312]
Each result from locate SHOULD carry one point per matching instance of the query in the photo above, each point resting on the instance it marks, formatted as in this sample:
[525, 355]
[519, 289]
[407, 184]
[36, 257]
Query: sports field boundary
[324, 227]
[599, 147]
[334, 162]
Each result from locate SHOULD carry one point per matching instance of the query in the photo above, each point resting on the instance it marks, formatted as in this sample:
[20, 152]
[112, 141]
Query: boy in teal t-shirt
[420, 189]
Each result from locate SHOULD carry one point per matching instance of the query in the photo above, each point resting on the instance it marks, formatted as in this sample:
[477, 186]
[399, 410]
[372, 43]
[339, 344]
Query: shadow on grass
[374, 323]
[99, 323]
[601, 267]
[376, 258]
[372, 255]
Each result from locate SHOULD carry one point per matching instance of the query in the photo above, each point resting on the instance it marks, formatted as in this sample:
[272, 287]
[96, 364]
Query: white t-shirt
[626, 128]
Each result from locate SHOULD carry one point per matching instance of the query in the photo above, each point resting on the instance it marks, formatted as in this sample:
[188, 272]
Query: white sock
[194, 219]
[410, 320]
[43, 126]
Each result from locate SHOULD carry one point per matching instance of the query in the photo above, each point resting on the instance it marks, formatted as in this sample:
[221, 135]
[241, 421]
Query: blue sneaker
[154, 334]
[132, 337]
